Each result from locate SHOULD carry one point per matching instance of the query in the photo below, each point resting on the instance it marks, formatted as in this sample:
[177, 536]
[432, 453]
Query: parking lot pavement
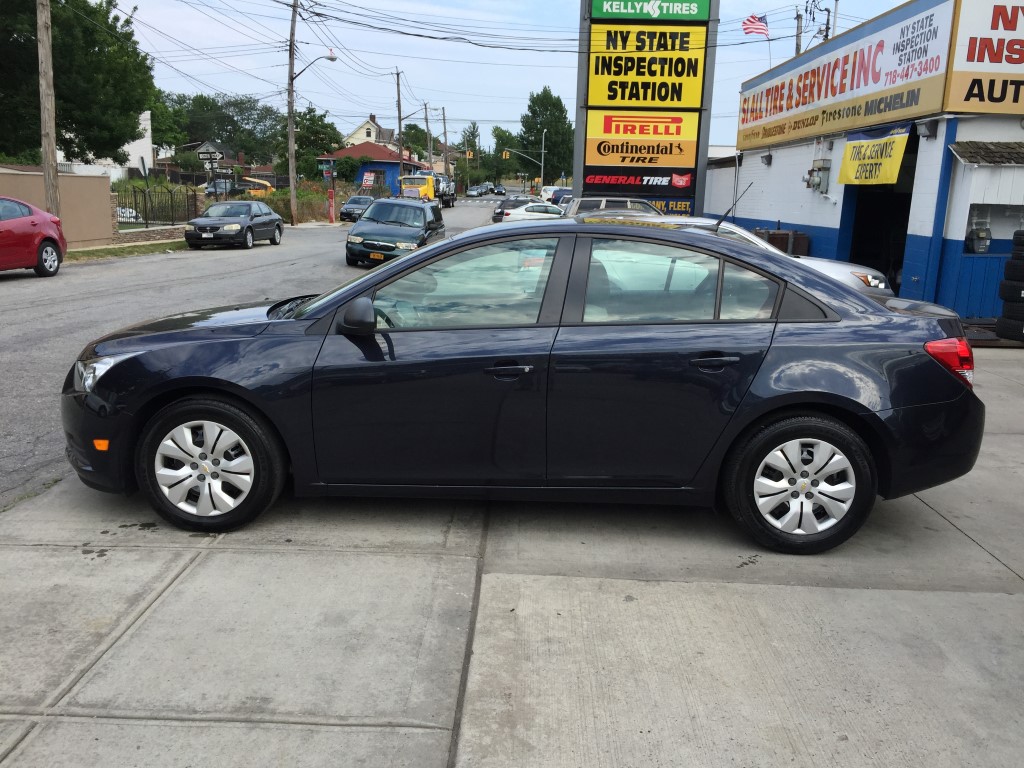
[414, 633]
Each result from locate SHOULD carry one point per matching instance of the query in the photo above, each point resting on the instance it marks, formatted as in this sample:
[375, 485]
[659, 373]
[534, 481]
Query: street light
[543, 136]
[292, 76]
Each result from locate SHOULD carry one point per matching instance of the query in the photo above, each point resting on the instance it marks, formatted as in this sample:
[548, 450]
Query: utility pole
[398, 88]
[543, 137]
[835, 20]
[444, 123]
[292, 181]
[828, 28]
[47, 111]
[799, 31]
[430, 139]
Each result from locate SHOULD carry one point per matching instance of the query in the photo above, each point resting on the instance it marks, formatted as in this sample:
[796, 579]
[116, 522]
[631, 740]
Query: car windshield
[392, 213]
[360, 200]
[227, 210]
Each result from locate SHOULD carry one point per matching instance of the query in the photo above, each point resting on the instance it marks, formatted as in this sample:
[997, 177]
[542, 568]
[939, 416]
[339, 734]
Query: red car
[30, 238]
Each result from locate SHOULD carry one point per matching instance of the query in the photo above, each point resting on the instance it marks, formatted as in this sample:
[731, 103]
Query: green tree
[347, 168]
[189, 162]
[545, 110]
[414, 138]
[506, 140]
[315, 135]
[471, 137]
[102, 81]
[253, 127]
[168, 121]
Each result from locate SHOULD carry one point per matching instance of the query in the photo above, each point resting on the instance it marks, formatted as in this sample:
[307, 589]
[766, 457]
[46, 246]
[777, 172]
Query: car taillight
[508, 213]
[955, 355]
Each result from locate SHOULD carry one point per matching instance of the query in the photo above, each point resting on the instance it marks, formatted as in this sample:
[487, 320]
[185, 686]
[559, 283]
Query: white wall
[926, 183]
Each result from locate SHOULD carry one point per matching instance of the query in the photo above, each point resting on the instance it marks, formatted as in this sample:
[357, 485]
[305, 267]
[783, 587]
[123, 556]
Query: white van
[547, 192]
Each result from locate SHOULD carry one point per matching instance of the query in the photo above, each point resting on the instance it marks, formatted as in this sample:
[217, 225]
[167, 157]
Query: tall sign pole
[292, 180]
[47, 111]
[646, 74]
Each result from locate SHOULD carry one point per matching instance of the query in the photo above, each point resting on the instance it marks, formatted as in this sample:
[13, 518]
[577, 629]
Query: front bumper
[215, 238]
[377, 253]
[86, 417]
[349, 215]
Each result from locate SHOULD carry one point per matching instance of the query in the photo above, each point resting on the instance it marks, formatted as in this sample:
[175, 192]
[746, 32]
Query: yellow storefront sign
[626, 137]
[874, 157]
[637, 66]
[987, 68]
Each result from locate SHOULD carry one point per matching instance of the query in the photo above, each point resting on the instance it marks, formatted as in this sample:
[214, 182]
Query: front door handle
[509, 371]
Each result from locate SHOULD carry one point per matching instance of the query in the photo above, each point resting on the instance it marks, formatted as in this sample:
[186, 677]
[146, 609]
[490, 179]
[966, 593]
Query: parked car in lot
[354, 207]
[238, 222]
[219, 187]
[391, 228]
[560, 194]
[126, 215]
[499, 190]
[30, 238]
[589, 204]
[473, 192]
[532, 211]
[609, 360]
[547, 192]
[516, 201]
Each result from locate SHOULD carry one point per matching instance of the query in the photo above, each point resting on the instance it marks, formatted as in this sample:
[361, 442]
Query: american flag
[755, 25]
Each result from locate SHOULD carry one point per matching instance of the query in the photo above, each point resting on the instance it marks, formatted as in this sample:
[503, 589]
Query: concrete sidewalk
[429, 634]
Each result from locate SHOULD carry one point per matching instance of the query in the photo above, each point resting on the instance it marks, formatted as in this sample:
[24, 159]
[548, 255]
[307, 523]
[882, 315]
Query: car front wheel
[247, 243]
[47, 259]
[208, 465]
[801, 485]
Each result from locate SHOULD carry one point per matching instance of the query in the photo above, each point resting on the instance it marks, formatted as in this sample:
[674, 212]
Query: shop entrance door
[881, 219]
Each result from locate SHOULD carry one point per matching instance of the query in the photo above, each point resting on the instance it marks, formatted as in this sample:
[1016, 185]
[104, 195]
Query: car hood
[218, 221]
[385, 233]
[242, 321]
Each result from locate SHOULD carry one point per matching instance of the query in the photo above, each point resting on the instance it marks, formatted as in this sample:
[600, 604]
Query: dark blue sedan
[602, 360]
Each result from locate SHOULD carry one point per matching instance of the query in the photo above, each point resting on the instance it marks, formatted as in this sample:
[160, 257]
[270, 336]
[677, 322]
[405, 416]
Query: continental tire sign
[645, 87]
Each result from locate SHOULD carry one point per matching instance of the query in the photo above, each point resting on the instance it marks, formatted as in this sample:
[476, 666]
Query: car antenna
[722, 218]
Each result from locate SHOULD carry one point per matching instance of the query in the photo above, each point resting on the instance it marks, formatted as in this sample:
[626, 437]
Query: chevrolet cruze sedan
[609, 360]
[30, 238]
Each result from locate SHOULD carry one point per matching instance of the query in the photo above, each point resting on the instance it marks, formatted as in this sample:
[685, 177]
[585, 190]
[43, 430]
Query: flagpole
[770, 65]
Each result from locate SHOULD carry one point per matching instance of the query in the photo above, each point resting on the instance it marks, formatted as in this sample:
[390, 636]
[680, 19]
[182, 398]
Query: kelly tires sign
[645, 86]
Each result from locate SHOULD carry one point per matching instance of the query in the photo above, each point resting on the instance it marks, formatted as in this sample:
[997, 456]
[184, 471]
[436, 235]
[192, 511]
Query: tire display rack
[1011, 291]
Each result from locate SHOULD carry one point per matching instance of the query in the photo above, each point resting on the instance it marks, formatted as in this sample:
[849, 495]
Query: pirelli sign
[646, 90]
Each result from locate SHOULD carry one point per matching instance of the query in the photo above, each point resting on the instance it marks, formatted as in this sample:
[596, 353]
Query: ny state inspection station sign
[645, 88]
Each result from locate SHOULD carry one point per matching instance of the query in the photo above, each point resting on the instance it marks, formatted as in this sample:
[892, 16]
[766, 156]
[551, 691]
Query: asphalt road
[45, 323]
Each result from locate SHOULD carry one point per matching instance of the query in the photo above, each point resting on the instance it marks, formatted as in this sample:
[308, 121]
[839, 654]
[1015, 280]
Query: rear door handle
[713, 362]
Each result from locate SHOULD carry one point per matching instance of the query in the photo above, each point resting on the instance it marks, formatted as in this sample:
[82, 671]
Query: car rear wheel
[207, 465]
[276, 237]
[800, 485]
[47, 259]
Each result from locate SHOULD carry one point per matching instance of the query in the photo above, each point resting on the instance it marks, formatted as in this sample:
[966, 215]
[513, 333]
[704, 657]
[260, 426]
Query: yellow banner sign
[874, 157]
[620, 138]
[636, 66]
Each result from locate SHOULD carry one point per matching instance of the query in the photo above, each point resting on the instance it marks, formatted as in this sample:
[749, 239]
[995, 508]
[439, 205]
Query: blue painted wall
[390, 174]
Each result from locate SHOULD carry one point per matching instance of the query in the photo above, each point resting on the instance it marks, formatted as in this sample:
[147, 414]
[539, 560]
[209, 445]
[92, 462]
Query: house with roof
[380, 166]
[373, 132]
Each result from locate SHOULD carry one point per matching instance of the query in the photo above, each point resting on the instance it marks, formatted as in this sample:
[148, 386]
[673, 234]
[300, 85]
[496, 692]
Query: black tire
[275, 239]
[201, 484]
[1018, 238]
[1017, 254]
[1011, 290]
[1010, 329]
[48, 259]
[813, 436]
[1014, 270]
[248, 241]
[351, 262]
[1013, 310]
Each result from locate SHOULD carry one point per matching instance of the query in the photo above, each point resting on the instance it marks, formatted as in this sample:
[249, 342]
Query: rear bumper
[933, 444]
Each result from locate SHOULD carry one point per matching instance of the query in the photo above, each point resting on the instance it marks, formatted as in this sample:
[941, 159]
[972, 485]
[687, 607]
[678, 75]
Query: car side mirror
[359, 318]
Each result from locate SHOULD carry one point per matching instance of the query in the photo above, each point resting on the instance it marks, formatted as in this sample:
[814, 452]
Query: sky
[479, 60]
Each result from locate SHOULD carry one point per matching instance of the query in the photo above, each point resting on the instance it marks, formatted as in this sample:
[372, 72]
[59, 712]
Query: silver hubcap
[50, 258]
[203, 468]
[804, 486]
[277, 235]
[248, 238]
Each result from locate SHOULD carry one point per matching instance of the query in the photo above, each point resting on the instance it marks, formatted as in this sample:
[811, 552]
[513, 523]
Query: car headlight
[190, 227]
[869, 280]
[355, 239]
[89, 372]
[231, 227]
[406, 246]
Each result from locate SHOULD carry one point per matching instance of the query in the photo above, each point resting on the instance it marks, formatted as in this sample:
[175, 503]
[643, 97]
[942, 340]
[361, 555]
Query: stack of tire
[1011, 291]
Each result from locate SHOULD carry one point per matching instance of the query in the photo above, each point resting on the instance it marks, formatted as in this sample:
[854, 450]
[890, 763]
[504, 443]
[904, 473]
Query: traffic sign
[211, 155]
